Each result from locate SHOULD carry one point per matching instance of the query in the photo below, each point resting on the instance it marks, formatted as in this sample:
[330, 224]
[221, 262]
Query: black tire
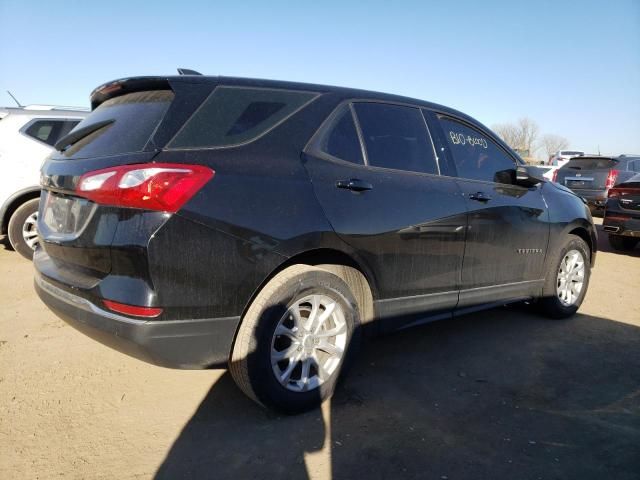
[618, 242]
[16, 223]
[250, 363]
[550, 304]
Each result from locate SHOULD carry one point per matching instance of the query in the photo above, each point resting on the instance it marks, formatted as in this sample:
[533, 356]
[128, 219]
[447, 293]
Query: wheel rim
[309, 343]
[30, 231]
[570, 278]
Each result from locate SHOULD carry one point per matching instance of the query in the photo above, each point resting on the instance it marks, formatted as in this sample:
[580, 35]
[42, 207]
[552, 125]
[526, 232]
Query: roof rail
[55, 108]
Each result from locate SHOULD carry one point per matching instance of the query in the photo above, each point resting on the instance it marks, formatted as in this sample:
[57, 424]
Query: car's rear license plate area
[64, 216]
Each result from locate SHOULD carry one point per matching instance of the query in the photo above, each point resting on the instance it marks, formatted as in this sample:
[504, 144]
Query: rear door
[376, 175]
[507, 228]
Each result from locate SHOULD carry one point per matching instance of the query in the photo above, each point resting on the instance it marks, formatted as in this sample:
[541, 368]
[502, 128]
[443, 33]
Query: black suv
[200, 222]
[592, 177]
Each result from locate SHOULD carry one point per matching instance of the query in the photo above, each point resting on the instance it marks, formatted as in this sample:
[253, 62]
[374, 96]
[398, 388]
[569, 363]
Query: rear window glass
[590, 163]
[236, 115]
[135, 117]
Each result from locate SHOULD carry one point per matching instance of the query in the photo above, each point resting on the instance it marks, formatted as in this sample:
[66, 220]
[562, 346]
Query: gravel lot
[499, 394]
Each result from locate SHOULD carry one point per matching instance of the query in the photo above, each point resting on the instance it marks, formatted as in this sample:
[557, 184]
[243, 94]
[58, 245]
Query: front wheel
[23, 231]
[296, 338]
[568, 279]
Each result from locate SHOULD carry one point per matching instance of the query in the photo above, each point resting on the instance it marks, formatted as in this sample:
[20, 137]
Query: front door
[507, 227]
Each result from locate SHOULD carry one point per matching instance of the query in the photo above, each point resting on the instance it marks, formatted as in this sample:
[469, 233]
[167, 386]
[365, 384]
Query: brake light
[147, 312]
[555, 175]
[164, 187]
[613, 193]
[611, 179]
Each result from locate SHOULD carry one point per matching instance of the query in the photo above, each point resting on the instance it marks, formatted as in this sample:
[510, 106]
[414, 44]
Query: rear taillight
[555, 175]
[613, 193]
[163, 187]
[133, 310]
[611, 179]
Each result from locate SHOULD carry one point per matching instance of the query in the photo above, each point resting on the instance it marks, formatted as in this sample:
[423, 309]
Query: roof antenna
[187, 71]
[14, 99]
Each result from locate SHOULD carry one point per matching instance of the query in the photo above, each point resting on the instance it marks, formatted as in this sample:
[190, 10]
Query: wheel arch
[339, 263]
[13, 203]
[588, 239]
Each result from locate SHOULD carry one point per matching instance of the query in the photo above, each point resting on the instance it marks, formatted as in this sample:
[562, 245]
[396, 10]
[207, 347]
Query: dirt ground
[498, 394]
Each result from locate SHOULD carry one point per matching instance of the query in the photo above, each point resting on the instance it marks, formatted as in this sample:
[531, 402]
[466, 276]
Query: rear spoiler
[127, 85]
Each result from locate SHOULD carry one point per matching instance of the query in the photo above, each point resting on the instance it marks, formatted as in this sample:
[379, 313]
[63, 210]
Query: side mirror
[525, 179]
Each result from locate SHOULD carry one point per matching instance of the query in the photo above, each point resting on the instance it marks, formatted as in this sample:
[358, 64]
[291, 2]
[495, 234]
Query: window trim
[312, 145]
[26, 126]
[167, 147]
[439, 113]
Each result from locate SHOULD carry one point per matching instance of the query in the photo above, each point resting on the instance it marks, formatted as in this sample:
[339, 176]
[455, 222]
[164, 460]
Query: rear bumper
[595, 198]
[621, 224]
[186, 344]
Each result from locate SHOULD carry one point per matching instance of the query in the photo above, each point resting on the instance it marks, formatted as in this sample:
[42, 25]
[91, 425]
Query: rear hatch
[80, 239]
[588, 173]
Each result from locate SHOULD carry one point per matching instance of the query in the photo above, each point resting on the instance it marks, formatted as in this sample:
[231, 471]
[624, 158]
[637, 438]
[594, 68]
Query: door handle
[480, 197]
[354, 184]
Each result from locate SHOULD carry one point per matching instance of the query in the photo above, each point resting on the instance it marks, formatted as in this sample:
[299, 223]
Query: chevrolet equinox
[211, 222]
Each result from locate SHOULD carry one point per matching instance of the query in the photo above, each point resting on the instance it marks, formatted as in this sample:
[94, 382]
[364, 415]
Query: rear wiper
[77, 135]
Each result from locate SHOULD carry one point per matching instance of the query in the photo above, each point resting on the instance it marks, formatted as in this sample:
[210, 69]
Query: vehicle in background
[561, 157]
[206, 222]
[591, 177]
[27, 136]
[622, 214]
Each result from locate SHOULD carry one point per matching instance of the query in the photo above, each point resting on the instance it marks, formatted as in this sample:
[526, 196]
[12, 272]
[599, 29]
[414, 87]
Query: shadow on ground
[500, 394]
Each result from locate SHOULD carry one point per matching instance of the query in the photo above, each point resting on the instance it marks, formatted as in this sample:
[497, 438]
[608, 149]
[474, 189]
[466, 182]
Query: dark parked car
[200, 222]
[591, 177]
[622, 214]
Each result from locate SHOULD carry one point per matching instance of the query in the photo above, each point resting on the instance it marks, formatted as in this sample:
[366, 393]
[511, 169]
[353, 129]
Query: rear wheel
[23, 231]
[618, 242]
[295, 339]
[568, 279]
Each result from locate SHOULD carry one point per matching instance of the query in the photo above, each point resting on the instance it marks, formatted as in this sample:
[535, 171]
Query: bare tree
[520, 136]
[528, 131]
[508, 133]
[552, 143]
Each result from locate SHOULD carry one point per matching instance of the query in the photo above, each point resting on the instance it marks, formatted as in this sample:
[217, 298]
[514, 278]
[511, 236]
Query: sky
[573, 67]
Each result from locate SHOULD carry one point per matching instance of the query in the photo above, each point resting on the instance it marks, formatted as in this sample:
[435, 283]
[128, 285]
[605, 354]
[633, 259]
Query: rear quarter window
[237, 115]
[50, 131]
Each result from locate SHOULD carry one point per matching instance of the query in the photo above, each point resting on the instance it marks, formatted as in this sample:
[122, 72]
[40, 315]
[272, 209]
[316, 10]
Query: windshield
[128, 123]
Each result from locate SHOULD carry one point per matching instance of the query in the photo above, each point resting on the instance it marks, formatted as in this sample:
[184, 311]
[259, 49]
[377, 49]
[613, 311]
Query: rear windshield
[135, 117]
[590, 163]
[236, 115]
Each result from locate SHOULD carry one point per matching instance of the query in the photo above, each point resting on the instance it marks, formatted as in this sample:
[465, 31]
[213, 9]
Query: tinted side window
[50, 131]
[396, 137]
[341, 138]
[235, 115]
[476, 156]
